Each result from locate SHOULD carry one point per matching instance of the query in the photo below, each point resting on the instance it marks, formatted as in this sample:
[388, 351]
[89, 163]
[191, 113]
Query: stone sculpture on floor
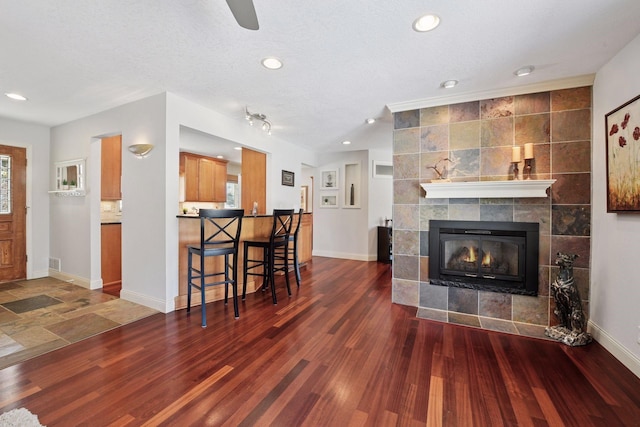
[572, 329]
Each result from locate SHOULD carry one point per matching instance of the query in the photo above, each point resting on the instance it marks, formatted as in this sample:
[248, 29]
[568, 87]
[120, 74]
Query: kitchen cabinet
[111, 254]
[111, 168]
[205, 178]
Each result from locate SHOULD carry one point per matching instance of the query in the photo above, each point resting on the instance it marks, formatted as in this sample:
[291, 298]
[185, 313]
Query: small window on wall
[5, 184]
[382, 169]
[233, 192]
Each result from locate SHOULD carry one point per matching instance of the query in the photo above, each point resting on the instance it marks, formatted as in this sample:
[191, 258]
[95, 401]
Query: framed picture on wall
[623, 169]
[288, 178]
[329, 200]
[329, 180]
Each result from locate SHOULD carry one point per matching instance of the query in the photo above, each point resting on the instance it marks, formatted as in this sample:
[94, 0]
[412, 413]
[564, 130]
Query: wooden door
[254, 180]
[13, 213]
[111, 163]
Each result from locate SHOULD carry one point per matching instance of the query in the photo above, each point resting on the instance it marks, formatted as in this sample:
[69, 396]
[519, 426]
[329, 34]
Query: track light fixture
[266, 124]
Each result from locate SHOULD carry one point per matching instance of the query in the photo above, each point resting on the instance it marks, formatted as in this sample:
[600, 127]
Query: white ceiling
[344, 61]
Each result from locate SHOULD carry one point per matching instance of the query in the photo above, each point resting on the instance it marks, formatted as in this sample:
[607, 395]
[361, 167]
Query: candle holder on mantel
[528, 158]
[515, 159]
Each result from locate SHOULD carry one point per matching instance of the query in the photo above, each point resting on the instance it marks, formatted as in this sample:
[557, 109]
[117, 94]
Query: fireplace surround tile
[406, 119]
[463, 300]
[534, 310]
[406, 217]
[464, 319]
[498, 325]
[434, 116]
[532, 128]
[532, 103]
[406, 141]
[432, 296]
[571, 156]
[495, 305]
[571, 99]
[572, 125]
[406, 242]
[559, 124]
[406, 166]
[496, 132]
[435, 138]
[496, 213]
[405, 292]
[464, 112]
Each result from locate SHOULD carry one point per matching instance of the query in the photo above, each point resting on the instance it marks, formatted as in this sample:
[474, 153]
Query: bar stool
[219, 236]
[274, 253]
[292, 248]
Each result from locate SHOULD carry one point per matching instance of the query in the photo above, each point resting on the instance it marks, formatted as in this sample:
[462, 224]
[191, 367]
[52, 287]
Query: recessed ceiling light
[15, 96]
[220, 156]
[272, 63]
[426, 23]
[524, 71]
[370, 121]
[449, 84]
[237, 148]
[346, 142]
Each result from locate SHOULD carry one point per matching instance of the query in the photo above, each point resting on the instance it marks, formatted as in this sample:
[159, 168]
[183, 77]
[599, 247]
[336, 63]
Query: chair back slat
[220, 227]
[282, 222]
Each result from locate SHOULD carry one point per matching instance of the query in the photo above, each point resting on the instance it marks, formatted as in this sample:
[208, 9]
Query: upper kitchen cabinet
[205, 178]
[111, 168]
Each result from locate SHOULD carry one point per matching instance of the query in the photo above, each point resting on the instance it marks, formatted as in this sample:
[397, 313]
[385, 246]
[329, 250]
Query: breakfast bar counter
[253, 227]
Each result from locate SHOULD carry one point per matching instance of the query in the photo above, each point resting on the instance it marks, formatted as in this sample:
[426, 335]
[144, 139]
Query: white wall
[340, 232]
[35, 138]
[150, 191]
[615, 287]
[75, 221]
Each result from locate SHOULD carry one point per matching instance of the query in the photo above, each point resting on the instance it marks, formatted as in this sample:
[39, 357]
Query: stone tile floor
[40, 315]
[498, 325]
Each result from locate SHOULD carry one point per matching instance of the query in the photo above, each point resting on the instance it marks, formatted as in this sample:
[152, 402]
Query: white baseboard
[620, 352]
[343, 255]
[38, 274]
[156, 304]
[76, 280]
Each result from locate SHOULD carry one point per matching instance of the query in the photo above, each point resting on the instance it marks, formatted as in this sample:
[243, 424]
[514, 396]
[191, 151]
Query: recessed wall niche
[352, 186]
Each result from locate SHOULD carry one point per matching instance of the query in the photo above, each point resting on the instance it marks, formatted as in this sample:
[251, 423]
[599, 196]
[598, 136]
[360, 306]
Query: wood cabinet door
[220, 182]
[111, 163]
[206, 176]
[111, 256]
[190, 178]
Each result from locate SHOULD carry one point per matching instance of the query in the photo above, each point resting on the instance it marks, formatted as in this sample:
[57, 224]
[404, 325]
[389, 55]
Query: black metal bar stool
[274, 253]
[292, 248]
[219, 236]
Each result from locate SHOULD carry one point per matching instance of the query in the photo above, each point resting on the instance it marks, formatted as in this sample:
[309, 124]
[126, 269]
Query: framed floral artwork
[623, 157]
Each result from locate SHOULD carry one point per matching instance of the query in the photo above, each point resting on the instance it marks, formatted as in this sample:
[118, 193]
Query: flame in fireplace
[486, 259]
[472, 255]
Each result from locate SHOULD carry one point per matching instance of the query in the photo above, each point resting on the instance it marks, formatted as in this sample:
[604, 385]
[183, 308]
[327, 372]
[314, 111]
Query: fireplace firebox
[485, 255]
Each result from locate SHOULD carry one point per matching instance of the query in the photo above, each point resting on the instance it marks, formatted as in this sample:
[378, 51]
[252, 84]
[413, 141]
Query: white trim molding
[571, 82]
[618, 351]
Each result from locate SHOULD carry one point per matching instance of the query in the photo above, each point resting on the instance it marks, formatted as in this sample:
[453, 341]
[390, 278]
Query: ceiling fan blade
[245, 13]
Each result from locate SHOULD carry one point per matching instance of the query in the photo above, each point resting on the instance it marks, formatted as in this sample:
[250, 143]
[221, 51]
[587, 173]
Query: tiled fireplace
[477, 137]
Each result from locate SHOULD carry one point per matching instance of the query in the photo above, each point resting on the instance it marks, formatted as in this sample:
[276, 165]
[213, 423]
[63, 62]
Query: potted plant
[65, 185]
[72, 185]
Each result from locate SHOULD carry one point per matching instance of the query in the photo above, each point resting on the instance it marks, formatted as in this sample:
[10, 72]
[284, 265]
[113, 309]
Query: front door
[13, 213]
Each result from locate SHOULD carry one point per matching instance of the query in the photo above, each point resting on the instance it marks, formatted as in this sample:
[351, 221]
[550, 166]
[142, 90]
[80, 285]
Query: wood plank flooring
[337, 353]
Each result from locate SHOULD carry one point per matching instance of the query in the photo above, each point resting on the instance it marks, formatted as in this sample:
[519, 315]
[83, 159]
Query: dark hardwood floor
[337, 353]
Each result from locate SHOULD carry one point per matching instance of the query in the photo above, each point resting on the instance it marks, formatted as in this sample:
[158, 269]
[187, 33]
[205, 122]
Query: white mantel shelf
[487, 189]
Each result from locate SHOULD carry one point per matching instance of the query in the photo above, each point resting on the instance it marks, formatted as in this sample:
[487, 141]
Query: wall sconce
[141, 150]
[266, 124]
